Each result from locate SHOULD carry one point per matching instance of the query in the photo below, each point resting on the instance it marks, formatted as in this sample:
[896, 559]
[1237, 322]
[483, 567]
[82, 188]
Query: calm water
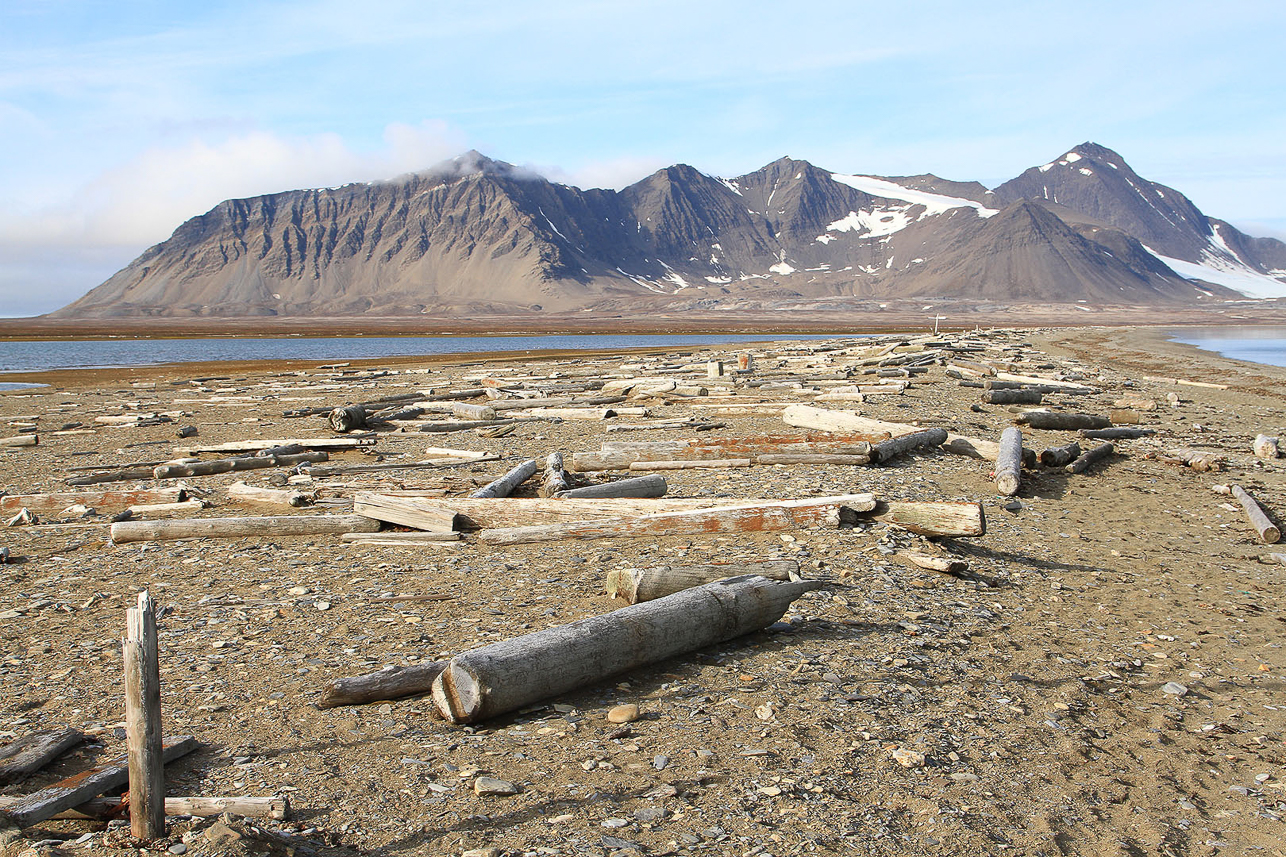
[1257, 344]
[99, 353]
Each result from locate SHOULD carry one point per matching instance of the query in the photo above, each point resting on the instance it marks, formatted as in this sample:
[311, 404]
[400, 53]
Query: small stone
[961, 777]
[322, 605]
[764, 712]
[612, 823]
[481, 852]
[623, 714]
[298, 590]
[484, 786]
[650, 814]
[908, 758]
[1173, 688]
[660, 762]
[1013, 506]
[178, 848]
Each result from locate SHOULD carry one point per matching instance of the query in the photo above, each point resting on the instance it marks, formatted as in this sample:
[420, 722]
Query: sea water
[1256, 344]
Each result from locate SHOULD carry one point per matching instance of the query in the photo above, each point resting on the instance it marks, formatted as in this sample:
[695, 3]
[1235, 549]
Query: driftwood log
[1009, 462]
[647, 584]
[232, 528]
[100, 808]
[29, 754]
[929, 518]
[52, 503]
[1121, 433]
[233, 465]
[1199, 460]
[347, 418]
[415, 537]
[20, 440]
[887, 450]
[512, 673]
[326, 443]
[1012, 397]
[652, 485]
[812, 458]
[1061, 456]
[240, 492]
[1082, 463]
[946, 565]
[698, 464]
[1269, 534]
[390, 683]
[505, 485]
[555, 478]
[1057, 421]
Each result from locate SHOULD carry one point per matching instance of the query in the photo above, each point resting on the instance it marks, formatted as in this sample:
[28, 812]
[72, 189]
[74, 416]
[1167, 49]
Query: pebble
[483, 786]
[614, 822]
[178, 848]
[1173, 688]
[481, 852]
[660, 762]
[908, 758]
[623, 714]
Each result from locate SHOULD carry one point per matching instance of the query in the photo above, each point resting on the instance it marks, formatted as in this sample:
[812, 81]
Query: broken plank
[28, 754]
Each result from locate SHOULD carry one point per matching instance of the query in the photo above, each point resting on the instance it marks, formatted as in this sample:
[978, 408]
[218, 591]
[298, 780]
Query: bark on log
[1061, 456]
[1265, 446]
[512, 673]
[1009, 460]
[652, 485]
[887, 450]
[1012, 397]
[505, 485]
[233, 528]
[555, 478]
[931, 519]
[1269, 534]
[347, 418]
[1056, 421]
[240, 492]
[1081, 464]
[233, 465]
[49, 504]
[141, 655]
[29, 754]
[647, 584]
[79, 788]
[390, 683]
[101, 808]
[1123, 433]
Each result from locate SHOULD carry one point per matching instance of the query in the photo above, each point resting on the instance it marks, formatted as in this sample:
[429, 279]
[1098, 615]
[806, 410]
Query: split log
[20, 440]
[1081, 464]
[388, 683]
[79, 788]
[806, 416]
[240, 492]
[710, 463]
[165, 510]
[1269, 534]
[103, 808]
[233, 465]
[513, 673]
[505, 485]
[141, 654]
[1008, 472]
[1056, 421]
[929, 518]
[1265, 446]
[417, 537]
[1123, 433]
[652, 485]
[887, 450]
[934, 563]
[555, 478]
[647, 584]
[347, 418]
[812, 458]
[49, 504]
[234, 528]
[404, 511]
[1012, 397]
[774, 516]
[1061, 456]
[326, 443]
[29, 754]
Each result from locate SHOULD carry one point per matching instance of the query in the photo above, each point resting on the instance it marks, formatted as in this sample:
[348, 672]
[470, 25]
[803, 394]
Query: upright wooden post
[143, 721]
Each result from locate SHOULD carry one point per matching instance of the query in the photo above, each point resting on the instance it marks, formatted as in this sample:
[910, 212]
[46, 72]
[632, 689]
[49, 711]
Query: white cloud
[614, 173]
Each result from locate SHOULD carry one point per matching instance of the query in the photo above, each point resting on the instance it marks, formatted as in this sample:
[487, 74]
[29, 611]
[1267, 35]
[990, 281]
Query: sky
[119, 120]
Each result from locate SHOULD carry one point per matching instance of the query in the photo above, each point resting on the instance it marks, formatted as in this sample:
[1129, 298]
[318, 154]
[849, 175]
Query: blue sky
[119, 120]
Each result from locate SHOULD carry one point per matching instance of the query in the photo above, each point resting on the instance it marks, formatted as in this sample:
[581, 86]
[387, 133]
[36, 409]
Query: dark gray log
[1081, 464]
[1009, 462]
[348, 418]
[232, 465]
[1060, 456]
[29, 754]
[1012, 397]
[391, 683]
[112, 476]
[505, 485]
[889, 449]
[1268, 532]
[652, 485]
[1116, 433]
[512, 673]
[1063, 422]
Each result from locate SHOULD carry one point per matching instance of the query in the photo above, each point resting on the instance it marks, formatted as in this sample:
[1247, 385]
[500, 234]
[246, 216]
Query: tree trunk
[652, 485]
[391, 683]
[512, 673]
[233, 528]
[1061, 456]
[887, 450]
[1054, 421]
[141, 655]
[233, 465]
[647, 584]
[1009, 462]
[1081, 464]
[505, 485]
[20, 440]
[1269, 534]
[931, 519]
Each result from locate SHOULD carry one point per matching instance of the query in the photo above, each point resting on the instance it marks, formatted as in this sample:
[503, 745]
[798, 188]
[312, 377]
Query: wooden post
[1082, 464]
[1009, 461]
[1061, 456]
[745, 362]
[1265, 446]
[1268, 532]
[143, 721]
[505, 485]
[647, 584]
[512, 673]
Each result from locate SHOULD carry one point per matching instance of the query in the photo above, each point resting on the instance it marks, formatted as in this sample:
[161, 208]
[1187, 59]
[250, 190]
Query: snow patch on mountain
[875, 223]
[933, 203]
[1222, 270]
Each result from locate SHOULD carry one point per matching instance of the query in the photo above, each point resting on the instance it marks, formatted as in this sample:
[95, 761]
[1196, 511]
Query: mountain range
[474, 235]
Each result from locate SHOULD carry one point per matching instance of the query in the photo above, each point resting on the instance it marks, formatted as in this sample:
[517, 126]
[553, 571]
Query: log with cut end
[1265, 446]
[104, 808]
[647, 584]
[1269, 534]
[1009, 462]
[30, 753]
[652, 485]
[887, 450]
[1056, 421]
[505, 485]
[233, 465]
[1098, 453]
[1069, 386]
[513, 673]
[473, 412]
[20, 440]
[1012, 397]
[347, 418]
[1061, 456]
[233, 528]
[1124, 417]
[240, 492]
[390, 683]
[555, 478]
[931, 518]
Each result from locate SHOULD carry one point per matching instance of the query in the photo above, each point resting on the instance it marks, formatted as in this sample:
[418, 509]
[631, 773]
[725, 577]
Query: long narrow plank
[55, 502]
[27, 755]
[256, 445]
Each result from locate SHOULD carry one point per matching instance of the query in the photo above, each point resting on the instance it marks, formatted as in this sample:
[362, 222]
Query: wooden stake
[1269, 534]
[143, 721]
[1008, 472]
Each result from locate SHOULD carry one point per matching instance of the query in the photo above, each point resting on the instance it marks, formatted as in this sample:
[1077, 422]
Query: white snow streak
[933, 203]
[1224, 271]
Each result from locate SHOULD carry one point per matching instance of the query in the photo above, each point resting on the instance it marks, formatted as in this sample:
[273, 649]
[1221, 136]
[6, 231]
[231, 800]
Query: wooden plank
[52, 503]
[30, 753]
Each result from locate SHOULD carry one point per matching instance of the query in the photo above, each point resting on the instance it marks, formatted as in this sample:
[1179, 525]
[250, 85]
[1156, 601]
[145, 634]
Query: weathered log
[934, 563]
[1055, 421]
[233, 528]
[889, 449]
[406, 511]
[930, 518]
[326, 443]
[141, 655]
[1269, 534]
[101, 808]
[20, 440]
[473, 412]
[1012, 397]
[416, 537]
[1009, 461]
[1124, 417]
[1081, 464]
[773, 516]
[647, 584]
[79, 788]
[512, 673]
[812, 458]
[822, 419]
[1122, 433]
[122, 475]
[1265, 446]
[1199, 460]
[699, 464]
[448, 452]
[347, 418]
[463, 425]
[505, 485]
[389, 683]
[29, 754]
[233, 465]
[1279, 558]
[1042, 382]
[433, 463]
[652, 485]
[49, 504]
[240, 492]
[1060, 456]
[165, 510]
[554, 479]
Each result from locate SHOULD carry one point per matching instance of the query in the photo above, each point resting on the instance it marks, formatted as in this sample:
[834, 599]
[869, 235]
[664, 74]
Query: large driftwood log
[79, 788]
[389, 683]
[647, 584]
[240, 492]
[1061, 456]
[50, 504]
[1069, 386]
[1012, 397]
[1121, 433]
[512, 673]
[1080, 465]
[505, 485]
[1009, 462]
[101, 808]
[1269, 534]
[1056, 421]
[233, 528]
[29, 754]
[887, 450]
[232, 465]
[652, 485]
[141, 655]
[930, 518]
[327, 443]
[555, 478]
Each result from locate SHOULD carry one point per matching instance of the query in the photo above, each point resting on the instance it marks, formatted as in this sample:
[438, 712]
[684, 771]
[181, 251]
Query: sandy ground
[1028, 696]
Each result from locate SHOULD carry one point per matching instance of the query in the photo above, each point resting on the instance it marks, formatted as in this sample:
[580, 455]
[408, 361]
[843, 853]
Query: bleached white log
[710, 464]
[1268, 532]
[200, 528]
[165, 510]
[647, 584]
[652, 485]
[505, 485]
[240, 492]
[1009, 462]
